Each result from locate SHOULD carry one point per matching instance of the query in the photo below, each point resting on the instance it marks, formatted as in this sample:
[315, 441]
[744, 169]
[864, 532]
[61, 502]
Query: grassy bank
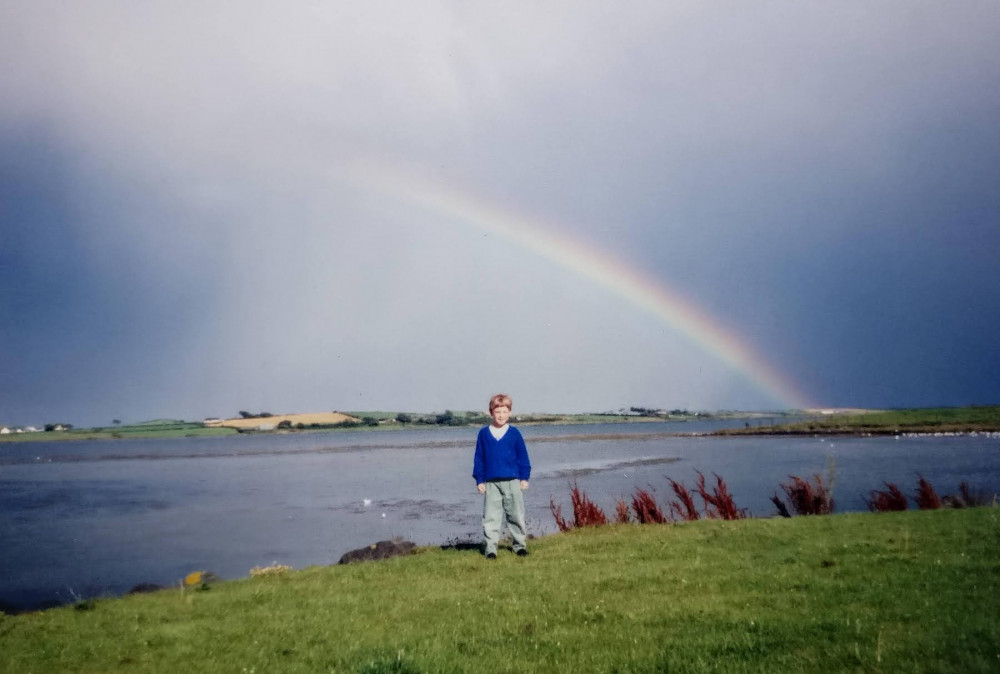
[982, 419]
[163, 428]
[912, 591]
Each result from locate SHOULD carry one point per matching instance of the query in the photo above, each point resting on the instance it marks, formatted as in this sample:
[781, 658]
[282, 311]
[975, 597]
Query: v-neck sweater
[503, 459]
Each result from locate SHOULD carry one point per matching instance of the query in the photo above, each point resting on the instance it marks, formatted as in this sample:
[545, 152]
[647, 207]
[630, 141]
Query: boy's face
[500, 414]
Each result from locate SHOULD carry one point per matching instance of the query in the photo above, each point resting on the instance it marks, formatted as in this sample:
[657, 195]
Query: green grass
[912, 591]
[157, 429]
[921, 420]
[375, 414]
[159, 422]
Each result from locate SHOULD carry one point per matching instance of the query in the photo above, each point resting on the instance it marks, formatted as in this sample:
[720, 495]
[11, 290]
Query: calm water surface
[88, 518]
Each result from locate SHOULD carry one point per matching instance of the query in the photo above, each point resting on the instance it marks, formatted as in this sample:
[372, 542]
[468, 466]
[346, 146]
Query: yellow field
[306, 419]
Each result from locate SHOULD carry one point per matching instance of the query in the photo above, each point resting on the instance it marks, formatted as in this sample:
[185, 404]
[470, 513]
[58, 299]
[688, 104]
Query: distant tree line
[655, 412]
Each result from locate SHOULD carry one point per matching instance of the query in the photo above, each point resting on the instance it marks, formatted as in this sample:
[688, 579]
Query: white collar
[499, 432]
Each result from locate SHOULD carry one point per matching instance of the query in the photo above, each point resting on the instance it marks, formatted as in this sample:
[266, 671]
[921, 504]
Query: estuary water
[81, 519]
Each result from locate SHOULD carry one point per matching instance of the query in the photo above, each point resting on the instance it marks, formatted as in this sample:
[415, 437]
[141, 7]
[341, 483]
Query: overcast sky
[204, 207]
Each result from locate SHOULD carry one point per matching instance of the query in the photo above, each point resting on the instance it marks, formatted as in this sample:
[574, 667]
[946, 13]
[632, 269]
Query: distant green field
[162, 428]
[894, 592]
[923, 420]
[376, 414]
[941, 419]
[161, 422]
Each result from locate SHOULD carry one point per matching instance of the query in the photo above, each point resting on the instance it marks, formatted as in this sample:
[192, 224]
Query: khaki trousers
[503, 497]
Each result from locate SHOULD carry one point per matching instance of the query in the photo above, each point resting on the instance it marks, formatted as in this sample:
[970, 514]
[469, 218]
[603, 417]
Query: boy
[502, 470]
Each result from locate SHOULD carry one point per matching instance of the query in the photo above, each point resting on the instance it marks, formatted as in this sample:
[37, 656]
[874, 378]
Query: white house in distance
[5, 430]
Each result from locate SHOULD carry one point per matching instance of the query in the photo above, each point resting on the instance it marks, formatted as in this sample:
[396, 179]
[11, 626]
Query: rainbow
[538, 236]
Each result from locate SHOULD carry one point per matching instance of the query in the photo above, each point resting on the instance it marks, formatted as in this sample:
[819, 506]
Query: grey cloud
[763, 159]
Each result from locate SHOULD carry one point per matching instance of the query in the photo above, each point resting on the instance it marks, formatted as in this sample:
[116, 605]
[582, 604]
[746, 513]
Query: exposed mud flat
[577, 471]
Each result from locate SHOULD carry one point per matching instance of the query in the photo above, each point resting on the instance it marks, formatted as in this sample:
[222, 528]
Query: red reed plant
[556, 511]
[585, 512]
[927, 498]
[621, 512]
[804, 498]
[971, 497]
[683, 508]
[780, 505]
[719, 504]
[647, 511]
[886, 501]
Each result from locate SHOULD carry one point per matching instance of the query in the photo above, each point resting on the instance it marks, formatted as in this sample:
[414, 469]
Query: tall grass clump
[683, 508]
[888, 500]
[585, 512]
[804, 497]
[926, 498]
[621, 512]
[556, 511]
[719, 504]
[972, 497]
[646, 509]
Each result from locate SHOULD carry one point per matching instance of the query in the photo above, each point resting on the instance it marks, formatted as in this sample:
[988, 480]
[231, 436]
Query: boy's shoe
[523, 552]
[491, 555]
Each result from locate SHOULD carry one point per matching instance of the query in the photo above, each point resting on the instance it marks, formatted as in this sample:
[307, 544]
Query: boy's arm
[523, 462]
[478, 464]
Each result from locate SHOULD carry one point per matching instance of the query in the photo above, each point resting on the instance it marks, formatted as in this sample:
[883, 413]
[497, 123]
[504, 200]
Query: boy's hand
[481, 487]
[524, 485]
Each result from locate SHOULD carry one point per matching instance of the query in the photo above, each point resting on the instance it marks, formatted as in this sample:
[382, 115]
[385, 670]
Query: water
[82, 519]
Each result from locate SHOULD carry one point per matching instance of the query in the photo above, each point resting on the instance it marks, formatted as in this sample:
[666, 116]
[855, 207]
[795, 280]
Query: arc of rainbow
[540, 238]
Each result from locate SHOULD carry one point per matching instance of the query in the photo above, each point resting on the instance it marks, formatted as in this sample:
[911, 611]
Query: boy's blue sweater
[503, 459]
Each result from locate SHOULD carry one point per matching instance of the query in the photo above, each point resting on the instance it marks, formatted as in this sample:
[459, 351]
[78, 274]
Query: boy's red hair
[501, 399]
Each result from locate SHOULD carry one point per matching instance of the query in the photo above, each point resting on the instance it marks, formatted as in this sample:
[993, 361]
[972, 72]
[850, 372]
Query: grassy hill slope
[911, 591]
[976, 419]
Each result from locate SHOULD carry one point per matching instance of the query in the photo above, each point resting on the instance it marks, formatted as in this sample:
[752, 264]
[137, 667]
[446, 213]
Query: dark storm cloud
[181, 234]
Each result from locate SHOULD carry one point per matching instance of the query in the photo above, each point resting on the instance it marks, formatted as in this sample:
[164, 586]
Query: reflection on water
[86, 518]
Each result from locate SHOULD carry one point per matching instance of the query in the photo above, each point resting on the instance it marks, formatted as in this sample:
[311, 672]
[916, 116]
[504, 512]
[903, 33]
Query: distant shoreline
[937, 421]
[843, 422]
[280, 424]
[927, 431]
